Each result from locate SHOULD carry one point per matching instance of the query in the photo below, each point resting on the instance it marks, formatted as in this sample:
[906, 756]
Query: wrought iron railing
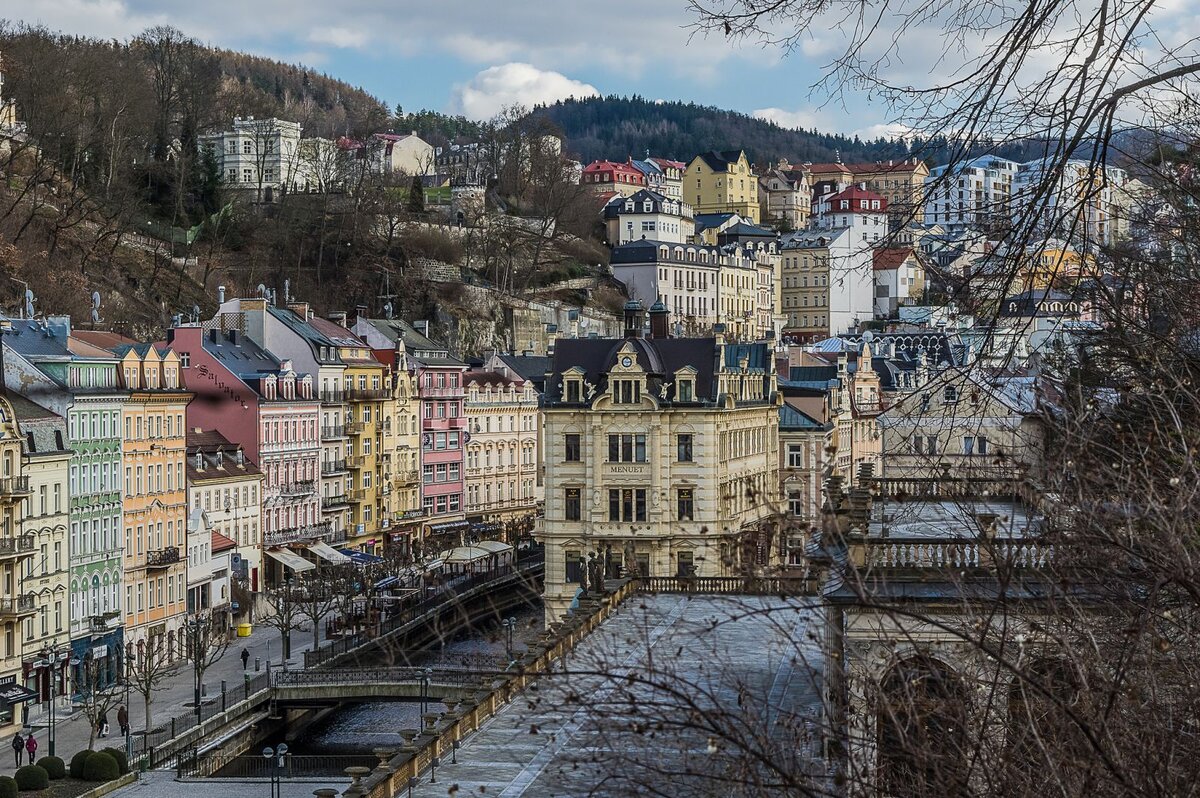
[161, 558]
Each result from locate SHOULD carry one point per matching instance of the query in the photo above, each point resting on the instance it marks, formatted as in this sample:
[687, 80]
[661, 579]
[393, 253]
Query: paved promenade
[171, 698]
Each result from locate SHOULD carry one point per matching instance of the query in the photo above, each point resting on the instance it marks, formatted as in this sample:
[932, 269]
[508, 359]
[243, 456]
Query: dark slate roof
[241, 355]
[415, 342]
[792, 419]
[207, 444]
[616, 206]
[660, 358]
[532, 367]
[43, 431]
[719, 160]
[745, 230]
[313, 337]
[30, 338]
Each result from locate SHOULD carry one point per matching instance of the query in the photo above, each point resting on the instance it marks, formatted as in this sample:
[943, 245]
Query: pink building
[260, 402]
[441, 390]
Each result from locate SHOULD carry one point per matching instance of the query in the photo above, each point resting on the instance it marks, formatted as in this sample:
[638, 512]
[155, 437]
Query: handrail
[723, 585]
[958, 552]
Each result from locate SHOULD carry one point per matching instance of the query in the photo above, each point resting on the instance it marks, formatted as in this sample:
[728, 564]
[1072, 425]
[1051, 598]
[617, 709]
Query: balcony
[337, 502]
[332, 433]
[19, 546]
[358, 495]
[404, 479]
[17, 606]
[298, 490]
[103, 624]
[354, 427]
[331, 467]
[280, 537]
[366, 394]
[355, 461]
[332, 397]
[428, 391]
[162, 558]
[14, 488]
[444, 423]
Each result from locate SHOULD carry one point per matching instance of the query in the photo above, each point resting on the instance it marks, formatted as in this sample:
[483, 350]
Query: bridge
[328, 687]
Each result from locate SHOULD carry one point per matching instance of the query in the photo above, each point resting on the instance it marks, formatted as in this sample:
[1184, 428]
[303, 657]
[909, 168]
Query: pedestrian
[245, 658]
[18, 745]
[123, 720]
[103, 724]
[30, 748]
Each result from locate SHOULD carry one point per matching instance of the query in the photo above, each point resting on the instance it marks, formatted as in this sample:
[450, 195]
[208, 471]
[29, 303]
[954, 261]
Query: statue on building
[595, 575]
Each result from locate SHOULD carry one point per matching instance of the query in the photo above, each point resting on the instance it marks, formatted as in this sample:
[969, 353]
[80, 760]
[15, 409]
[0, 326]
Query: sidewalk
[173, 696]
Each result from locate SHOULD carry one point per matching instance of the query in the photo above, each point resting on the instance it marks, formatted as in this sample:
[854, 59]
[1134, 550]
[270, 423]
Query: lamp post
[194, 625]
[276, 759]
[509, 624]
[426, 675]
[51, 661]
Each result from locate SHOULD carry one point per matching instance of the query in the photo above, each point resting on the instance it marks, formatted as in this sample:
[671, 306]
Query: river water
[358, 728]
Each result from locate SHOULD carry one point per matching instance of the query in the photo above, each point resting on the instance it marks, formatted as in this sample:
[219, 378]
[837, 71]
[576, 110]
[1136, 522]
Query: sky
[475, 56]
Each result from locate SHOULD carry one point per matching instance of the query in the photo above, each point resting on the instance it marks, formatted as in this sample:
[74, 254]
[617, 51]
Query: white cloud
[791, 119]
[339, 37]
[888, 130]
[495, 87]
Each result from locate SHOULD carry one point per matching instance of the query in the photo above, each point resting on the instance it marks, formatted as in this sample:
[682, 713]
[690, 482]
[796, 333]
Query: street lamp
[51, 661]
[509, 624]
[426, 675]
[195, 625]
[276, 759]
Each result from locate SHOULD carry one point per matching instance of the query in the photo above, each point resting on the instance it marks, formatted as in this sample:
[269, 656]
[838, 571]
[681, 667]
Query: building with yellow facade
[17, 549]
[402, 439]
[661, 459]
[154, 507]
[722, 182]
[502, 454]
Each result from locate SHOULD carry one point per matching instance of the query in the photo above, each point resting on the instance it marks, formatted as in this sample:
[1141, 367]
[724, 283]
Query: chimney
[422, 326]
[360, 312]
[338, 317]
[660, 320]
[301, 309]
[221, 294]
[635, 317]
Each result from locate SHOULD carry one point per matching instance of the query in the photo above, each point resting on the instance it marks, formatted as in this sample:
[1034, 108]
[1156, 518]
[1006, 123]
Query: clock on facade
[627, 361]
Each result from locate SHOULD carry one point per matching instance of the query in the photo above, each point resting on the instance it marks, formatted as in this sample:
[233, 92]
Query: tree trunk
[149, 718]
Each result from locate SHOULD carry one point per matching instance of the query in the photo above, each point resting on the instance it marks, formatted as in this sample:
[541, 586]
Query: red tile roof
[222, 543]
[889, 258]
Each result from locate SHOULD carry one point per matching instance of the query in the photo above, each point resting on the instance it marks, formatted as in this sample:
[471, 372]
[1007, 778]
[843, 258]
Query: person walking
[123, 720]
[103, 724]
[18, 745]
[31, 747]
[245, 657]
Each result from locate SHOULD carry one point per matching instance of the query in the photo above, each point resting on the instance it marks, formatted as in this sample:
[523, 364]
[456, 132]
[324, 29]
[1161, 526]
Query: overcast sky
[474, 56]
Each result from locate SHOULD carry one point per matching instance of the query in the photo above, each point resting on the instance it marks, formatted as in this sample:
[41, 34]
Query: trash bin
[244, 630]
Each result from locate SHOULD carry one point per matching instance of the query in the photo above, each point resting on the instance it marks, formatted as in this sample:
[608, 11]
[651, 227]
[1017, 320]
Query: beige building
[804, 443]
[785, 196]
[964, 423]
[227, 486]
[45, 461]
[502, 455]
[722, 182]
[662, 458]
[402, 448]
[17, 549]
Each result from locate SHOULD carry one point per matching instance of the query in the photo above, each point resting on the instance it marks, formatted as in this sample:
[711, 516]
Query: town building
[502, 458]
[973, 195]
[966, 422]
[260, 402]
[265, 156]
[1079, 201]
[804, 444]
[710, 225]
[648, 214]
[785, 197]
[46, 463]
[154, 507]
[609, 176]
[391, 154]
[76, 380]
[662, 457]
[209, 562]
[226, 486]
[900, 182]
[828, 286]
[899, 274]
[17, 549]
[722, 182]
[440, 391]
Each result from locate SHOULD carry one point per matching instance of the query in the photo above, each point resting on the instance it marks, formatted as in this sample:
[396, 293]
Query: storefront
[96, 661]
[444, 535]
[12, 696]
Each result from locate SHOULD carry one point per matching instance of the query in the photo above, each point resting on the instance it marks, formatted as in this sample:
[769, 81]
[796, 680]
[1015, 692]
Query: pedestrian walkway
[159, 783]
[174, 694]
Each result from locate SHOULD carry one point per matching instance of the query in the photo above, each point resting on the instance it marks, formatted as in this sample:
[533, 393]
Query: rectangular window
[686, 504]
[573, 565]
[685, 391]
[574, 448]
[795, 455]
[441, 472]
[627, 504]
[628, 392]
[573, 391]
[627, 448]
[573, 505]
[683, 447]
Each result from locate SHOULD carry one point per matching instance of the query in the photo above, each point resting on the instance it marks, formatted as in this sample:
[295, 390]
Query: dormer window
[627, 392]
[950, 394]
[574, 391]
[199, 461]
[684, 391]
[647, 206]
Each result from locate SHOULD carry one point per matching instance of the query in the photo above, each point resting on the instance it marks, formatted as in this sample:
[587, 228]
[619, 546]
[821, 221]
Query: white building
[974, 194]
[899, 279]
[266, 156]
[648, 214]
[1082, 202]
[224, 484]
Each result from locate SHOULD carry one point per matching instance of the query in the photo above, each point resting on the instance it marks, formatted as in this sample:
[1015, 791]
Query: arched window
[1041, 735]
[921, 732]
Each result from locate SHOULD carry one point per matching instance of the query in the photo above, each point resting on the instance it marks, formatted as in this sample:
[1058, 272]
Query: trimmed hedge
[32, 777]
[77, 763]
[100, 766]
[53, 766]
[8, 787]
[119, 757]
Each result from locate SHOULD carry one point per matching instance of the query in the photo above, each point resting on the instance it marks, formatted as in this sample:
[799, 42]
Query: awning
[475, 552]
[292, 560]
[360, 557]
[434, 565]
[494, 546]
[386, 582]
[328, 553]
[14, 693]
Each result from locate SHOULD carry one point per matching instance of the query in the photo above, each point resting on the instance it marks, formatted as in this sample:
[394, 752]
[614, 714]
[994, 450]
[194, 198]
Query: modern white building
[974, 194]
[1079, 201]
[648, 214]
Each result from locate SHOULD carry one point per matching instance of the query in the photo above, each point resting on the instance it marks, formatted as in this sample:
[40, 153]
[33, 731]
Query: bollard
[257, 664]
[172, 728]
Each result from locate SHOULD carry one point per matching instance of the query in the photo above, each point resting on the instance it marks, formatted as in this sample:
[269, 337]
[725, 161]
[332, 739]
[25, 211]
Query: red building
[622, 178]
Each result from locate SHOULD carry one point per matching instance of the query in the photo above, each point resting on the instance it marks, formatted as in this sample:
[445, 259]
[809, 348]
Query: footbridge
[328, 687]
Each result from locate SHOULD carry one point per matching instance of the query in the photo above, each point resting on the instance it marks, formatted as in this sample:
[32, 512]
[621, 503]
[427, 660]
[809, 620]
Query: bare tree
[208, 640]
[147, 668]
[96, 696]
[285, 615]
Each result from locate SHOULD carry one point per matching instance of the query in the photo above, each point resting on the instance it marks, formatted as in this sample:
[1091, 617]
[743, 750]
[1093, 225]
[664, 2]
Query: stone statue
[589, 389]
[583, 574]
[595, 576]
[630, 561]
[662, 394]
[608, 561]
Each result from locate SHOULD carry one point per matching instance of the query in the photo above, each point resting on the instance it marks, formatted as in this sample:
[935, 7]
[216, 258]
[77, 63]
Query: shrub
[77, 761]
[8, 787]
[100, 766]
[119, 757]
[53, 766]
[32, 777]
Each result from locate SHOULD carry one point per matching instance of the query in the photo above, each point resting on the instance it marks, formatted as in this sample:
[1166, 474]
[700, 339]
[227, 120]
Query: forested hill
[617, 127]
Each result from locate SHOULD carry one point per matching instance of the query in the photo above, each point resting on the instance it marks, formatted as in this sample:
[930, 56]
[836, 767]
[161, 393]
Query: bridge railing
[723, 585]
[357, 676]
[253, 766]
[526, 565]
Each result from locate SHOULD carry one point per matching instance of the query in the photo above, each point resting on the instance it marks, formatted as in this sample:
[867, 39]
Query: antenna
[177, 320]
[387, 296]
[221, 294]
[287, 291]
[95, 307]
